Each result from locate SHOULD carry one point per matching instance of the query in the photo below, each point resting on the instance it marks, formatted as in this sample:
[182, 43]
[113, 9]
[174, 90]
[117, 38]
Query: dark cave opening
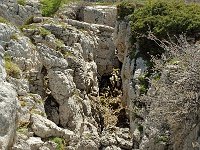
[52, 109]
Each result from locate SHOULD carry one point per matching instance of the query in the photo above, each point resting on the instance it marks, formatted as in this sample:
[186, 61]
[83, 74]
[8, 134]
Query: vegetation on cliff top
[163, 19]
[49, 7]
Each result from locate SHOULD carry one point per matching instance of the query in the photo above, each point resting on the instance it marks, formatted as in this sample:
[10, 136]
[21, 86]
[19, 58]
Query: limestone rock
[17, 13]
[35, 142]
[105, 15]
[113, 147]
[44, 128]
[2, 69]
[116, 137]
[6, 31]
[49, 145]
[61, 85]
[23, 52]
[8, 115]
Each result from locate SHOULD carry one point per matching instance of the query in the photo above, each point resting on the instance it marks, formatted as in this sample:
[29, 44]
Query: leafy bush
[163, 19]
[124, 9]
[21, 2]
[60, 143]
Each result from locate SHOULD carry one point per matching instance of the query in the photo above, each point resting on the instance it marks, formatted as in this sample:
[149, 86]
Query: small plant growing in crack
[12, 69]
[60, 143]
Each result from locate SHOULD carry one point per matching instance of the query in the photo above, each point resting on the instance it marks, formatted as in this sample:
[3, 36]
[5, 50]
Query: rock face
[105, 15]
[52, 67]
[13, 11]
[9, 106]
[8, 115]
[60, 85]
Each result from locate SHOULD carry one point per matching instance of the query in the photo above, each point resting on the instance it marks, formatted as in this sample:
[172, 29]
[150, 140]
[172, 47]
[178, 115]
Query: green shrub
[12, 69]
[164, 19]
[60, 143]
[143, 82]
[49, 7]
[21, 2]
[124, 9]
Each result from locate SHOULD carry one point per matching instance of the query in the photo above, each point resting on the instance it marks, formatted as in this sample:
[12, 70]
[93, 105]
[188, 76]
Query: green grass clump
[21, 2]
[49, 7]
[12, 69]
[29, 20]
[60, 143]
[3, 20]
[44, 32]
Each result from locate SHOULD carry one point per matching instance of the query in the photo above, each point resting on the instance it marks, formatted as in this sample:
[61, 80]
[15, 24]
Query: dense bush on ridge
[164, 19]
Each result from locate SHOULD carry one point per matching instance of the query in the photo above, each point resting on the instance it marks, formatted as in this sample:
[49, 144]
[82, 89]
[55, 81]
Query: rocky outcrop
[8, 117]
[105, 15]
[44, 128]
[116, 138]
[9, 106]
[53, 66]
[17, 13]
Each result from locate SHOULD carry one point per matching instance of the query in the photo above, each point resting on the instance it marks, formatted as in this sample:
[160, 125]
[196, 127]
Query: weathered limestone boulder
[32, 143]
[61, 85]
[105, 15]
[92, 14]
[8, 108]
[114, 137]
[88, 138]
[6, 31]
[44, 128]
[113, 147]
[23, 52]
[122, 35]
[8, 115]
[104, 51]
[18, 14]
[35, 142]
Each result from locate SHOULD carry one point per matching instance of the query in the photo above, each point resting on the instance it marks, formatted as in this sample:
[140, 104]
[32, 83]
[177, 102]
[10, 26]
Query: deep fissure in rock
[110, 91]
[52, 109]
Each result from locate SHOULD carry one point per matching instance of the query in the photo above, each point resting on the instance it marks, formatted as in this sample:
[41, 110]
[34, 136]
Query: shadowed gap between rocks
[110, 91]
